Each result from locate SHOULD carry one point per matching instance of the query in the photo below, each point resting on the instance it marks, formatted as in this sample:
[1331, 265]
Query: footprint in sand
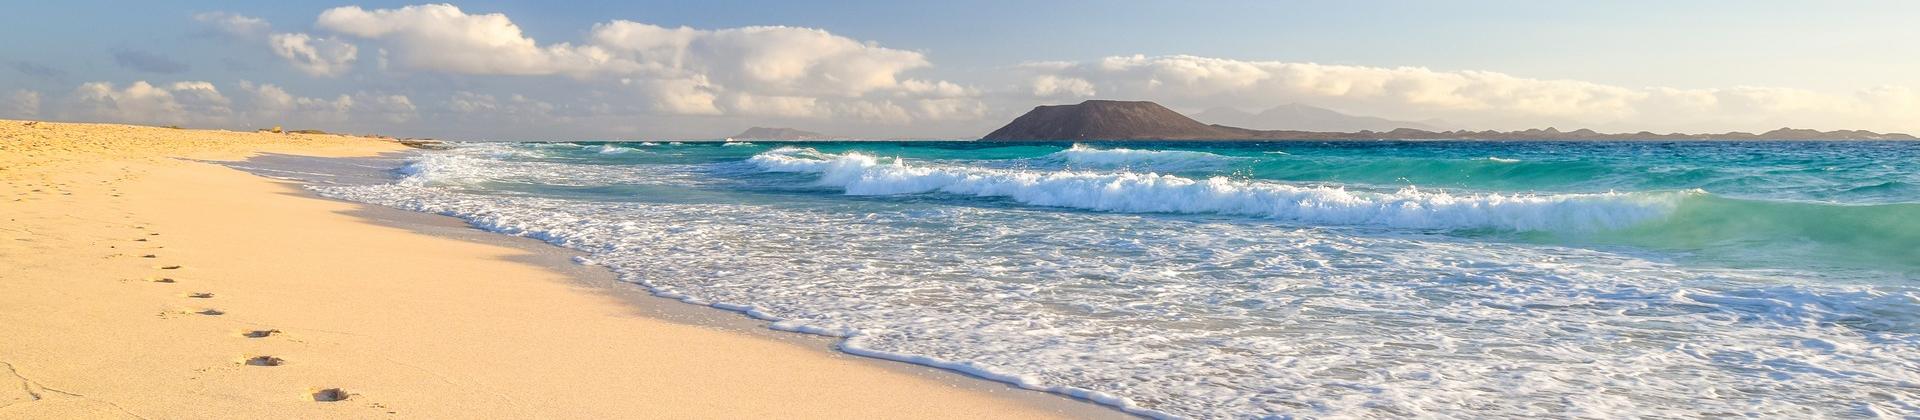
[168, 267]
[329, 394]
[259, 333]
[264, 361]
[171, 313]
[149, 256]
[160, 279]
[199, 295]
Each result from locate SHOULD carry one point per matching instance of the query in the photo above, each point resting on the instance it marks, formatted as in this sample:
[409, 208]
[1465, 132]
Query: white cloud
[392, 108]
[777, 106]
[750, 71]
[766, 59]
[441, 37]
[1047, 86]
[272, 105]
[315, 56]
[268, 105]
[322, 57]
[939, 89]
[1482, 99]
[141, 102]
[21, 104]
[238, 26]
[949, 109]
[514, 108]
[689, 96]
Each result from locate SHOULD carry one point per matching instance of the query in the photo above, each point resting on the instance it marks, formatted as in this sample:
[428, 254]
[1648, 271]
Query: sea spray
[1126, 191]
[1713, 305]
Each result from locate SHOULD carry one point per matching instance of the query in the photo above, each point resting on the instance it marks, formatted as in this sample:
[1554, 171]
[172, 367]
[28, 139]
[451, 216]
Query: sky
[507, 70]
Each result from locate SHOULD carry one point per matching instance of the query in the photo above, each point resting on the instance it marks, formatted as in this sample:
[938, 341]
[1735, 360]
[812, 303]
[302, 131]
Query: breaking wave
[1137, 192]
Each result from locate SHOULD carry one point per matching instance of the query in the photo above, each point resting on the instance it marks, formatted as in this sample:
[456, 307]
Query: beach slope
[139, 280]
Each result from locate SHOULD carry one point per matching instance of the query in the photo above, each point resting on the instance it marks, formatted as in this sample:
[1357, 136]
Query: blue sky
[1620, 65]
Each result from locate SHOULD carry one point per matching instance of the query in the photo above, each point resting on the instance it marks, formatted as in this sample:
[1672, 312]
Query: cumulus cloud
[778, 106]
[141, 102]
[204, 104]
[441, 37]
[269, 104]
[1048, 86]
[767, 59]
[317, 56]
[1482, 98]
[21, 104]
[752, 71]
[234, 25]
[514, 108]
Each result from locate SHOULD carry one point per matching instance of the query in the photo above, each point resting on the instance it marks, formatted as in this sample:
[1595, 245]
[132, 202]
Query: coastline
[407, 314]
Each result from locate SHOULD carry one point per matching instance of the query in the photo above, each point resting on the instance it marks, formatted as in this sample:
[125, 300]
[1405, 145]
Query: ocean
[1356, 279]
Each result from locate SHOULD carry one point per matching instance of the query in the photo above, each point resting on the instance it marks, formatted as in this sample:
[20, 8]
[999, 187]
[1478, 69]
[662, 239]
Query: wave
[1880, 235]
[860, 174]
[648, 143]
[1711, 226]
[736, 143]
[1484, 172]
[1151, 160]
[608, 149]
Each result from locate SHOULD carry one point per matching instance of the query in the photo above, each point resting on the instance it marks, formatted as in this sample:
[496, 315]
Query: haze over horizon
[600, 70]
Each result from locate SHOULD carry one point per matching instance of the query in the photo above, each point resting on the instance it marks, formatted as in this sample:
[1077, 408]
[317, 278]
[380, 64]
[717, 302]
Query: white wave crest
[608, 149]
[860, 174]
[439, 168]
[736, 143]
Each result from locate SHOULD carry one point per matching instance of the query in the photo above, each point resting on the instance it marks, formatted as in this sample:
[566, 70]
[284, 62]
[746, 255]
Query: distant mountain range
[1305, 118]
[1141, 120]
[777, 133]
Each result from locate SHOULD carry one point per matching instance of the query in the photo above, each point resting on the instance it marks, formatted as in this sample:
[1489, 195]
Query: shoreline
[662, 306]
[648, 304]
[400, 313]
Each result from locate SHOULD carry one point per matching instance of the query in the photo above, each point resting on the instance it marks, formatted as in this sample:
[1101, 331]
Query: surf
[1147, 192]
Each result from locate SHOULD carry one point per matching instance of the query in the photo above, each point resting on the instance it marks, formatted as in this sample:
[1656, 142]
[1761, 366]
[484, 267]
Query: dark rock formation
[1140, 120]
[1112, 120]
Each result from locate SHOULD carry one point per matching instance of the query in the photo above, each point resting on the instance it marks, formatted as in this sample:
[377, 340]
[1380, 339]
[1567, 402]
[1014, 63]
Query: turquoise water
[1320, 279]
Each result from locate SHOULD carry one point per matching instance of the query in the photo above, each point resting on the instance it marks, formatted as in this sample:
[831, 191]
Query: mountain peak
[1142, 120]
[1108, 120]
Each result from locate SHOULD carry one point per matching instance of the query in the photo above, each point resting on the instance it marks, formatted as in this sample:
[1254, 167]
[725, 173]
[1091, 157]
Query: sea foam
[1214, 317]
[1137, 192]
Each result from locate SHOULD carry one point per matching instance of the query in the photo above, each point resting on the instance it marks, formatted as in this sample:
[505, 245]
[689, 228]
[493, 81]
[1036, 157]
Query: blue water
[1309, 279]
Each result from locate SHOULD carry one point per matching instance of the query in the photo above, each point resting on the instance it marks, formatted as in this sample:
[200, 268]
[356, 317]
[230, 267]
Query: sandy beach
[138, 279]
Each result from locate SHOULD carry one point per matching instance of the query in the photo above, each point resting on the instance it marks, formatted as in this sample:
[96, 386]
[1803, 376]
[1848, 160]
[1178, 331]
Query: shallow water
[1338, 279]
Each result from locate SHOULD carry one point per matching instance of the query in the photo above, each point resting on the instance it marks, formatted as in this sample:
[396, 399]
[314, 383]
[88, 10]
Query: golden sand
[135, 283]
